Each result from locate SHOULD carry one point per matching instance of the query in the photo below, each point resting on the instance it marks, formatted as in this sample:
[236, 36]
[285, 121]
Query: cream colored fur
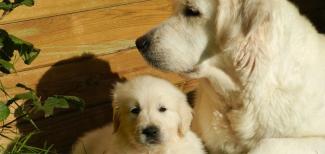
[149, 94]
[262, 70]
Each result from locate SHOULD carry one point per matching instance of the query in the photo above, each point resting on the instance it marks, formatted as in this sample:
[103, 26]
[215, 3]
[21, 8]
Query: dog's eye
[191, 12]
[162, 109]
[135, 110]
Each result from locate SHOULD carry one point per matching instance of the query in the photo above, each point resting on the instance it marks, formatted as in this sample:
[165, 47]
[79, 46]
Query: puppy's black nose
[143, 43]
[151, 132]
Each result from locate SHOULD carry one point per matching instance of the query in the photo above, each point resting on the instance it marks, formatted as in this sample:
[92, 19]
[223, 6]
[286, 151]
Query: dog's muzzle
[145, 45]
[151, 134]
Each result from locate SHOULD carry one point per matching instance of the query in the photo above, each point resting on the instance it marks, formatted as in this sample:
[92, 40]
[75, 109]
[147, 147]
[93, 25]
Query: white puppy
[150, 116]
[265, 65]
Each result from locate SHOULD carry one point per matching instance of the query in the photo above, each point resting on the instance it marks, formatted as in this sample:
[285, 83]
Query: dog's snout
[143, 43]
[151, 132]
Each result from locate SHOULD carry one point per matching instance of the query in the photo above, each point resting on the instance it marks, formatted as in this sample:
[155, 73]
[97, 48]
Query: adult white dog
[265, 65]
[151, 116]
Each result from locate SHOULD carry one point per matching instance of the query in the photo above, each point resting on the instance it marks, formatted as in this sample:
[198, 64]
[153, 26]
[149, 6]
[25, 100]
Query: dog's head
[150, 111]
[199, 29]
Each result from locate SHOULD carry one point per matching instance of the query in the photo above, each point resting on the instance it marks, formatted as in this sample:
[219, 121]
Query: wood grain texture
[47, 8]
[99, 31]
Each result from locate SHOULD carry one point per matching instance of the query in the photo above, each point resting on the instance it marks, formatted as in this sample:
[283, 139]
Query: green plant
[20, 146]
[28, 102]
[8, 45]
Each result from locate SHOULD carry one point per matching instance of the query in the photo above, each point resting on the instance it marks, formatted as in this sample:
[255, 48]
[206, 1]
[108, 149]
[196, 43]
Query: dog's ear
[254, 15]
[239, 18]
[116, 107]
[190, 97]
[116, 119]
[185, 113]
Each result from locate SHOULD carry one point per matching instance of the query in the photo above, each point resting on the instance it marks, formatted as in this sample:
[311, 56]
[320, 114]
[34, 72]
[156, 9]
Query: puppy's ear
[190, 96]
[116, 119]
[185, 113]
[116, 108]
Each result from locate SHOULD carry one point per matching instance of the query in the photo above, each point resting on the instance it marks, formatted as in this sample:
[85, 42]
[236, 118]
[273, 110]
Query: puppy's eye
[162, 109]
[135, 110]
[191, 12]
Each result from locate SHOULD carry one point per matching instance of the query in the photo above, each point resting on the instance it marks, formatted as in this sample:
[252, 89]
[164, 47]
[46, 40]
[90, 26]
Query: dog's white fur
[265, 65]
[149, 94]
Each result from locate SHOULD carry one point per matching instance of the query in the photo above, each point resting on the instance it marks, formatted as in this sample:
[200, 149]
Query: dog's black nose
[143, 43]
[151, 132]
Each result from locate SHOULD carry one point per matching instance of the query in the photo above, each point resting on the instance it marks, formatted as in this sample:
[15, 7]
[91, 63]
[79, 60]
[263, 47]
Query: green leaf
[62, 102]
[51, 103]
[28, 53]
[26, 50]
[9, 6]
[6, 6]
[74, 101]
[4, 111]
[24, 96]
[27, 2]
[9, 44]
[6, 66]
[18, 41]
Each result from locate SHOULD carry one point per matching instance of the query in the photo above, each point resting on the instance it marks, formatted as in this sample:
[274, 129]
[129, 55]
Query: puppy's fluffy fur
[264, 69]
[139, 104]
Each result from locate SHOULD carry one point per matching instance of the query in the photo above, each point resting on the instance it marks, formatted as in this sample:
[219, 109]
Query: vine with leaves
[10, 46]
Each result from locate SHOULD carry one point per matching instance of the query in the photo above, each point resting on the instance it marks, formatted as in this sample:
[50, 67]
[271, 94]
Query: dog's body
[151, 116]
[265, 70]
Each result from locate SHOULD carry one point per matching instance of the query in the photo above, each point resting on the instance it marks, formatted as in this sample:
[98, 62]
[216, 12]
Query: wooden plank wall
[86, 47]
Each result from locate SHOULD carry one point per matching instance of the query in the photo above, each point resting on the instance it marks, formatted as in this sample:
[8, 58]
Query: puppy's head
[199, 29]
[150, 111]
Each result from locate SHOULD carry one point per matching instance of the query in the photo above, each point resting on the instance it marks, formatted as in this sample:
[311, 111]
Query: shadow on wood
[86, 77]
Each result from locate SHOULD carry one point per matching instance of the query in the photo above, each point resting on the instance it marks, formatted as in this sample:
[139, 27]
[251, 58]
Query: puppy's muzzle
[143, 43]
[152, 134]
